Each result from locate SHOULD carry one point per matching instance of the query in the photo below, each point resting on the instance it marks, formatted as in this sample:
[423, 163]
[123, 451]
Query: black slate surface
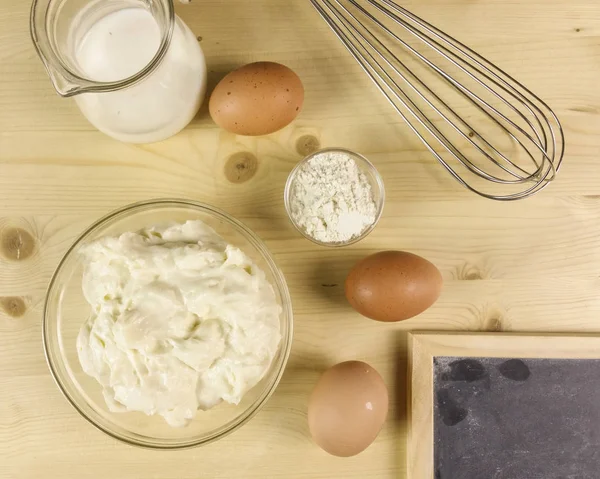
[516, 418]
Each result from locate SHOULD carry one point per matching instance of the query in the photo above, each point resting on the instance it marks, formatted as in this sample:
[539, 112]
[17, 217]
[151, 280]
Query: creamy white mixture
[180, 321]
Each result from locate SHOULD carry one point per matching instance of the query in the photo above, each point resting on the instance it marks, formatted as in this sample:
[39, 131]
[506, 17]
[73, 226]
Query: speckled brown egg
[347, 408]
[257, 99]
[393, 286]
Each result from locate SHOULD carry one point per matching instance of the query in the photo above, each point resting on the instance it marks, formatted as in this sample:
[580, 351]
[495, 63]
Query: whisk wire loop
[533, 129]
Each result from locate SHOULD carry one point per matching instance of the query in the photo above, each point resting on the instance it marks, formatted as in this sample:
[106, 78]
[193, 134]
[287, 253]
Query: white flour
[331, 200]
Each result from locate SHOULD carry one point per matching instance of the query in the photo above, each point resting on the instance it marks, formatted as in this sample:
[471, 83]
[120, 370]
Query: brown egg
[257, 99]
[347, 408]
[393, 286]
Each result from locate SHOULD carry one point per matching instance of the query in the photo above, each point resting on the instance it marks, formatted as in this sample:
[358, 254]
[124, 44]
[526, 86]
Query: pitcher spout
[65, 83]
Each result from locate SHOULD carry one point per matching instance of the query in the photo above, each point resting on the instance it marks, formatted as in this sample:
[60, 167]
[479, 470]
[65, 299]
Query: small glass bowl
[66, 310]
[365, 167]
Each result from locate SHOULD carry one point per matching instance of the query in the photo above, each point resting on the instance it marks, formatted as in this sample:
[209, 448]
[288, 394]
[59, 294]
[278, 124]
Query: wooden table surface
[526, 266]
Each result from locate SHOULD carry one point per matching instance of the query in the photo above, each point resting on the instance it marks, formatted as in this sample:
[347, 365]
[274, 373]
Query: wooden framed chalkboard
[503, 406]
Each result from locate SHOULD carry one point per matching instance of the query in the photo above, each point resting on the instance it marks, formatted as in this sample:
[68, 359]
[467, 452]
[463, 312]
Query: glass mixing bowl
[66, 310]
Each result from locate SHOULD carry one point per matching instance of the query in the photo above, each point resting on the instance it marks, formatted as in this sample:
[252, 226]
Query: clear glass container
[66, 310]
[365, 167]
[135, 69]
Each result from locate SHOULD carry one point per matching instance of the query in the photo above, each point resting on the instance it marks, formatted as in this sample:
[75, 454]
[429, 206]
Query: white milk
[120, 45]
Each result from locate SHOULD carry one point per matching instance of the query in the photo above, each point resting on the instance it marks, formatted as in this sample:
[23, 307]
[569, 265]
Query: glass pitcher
[134, 68]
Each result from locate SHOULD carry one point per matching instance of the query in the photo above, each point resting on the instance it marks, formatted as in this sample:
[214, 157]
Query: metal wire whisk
[492, 134]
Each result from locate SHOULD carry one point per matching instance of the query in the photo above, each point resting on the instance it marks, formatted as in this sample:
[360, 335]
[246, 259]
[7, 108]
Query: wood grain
[528, 266]
[425, 346]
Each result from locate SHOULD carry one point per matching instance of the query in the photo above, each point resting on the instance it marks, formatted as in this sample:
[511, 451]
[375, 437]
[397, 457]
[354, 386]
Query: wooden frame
[424, 346]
